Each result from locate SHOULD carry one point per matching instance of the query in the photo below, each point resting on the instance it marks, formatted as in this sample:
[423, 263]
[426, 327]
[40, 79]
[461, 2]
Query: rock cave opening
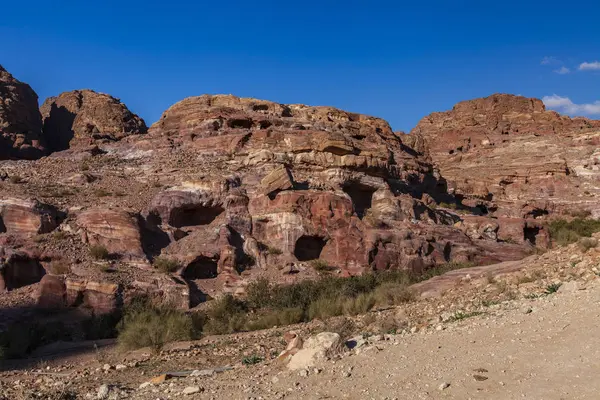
[240, 123]
[361, 195]
[309, 248]
[530, 233]
[194, 215]
[201, 268]
[21, 271]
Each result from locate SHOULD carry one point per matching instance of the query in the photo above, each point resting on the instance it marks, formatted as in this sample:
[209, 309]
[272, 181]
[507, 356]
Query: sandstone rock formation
[509, 156]
[20, 120]
[117, 231]
[84, 117]
[223, 190]
[27, 217]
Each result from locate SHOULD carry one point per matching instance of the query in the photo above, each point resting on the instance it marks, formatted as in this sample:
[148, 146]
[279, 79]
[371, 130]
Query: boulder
[27, 217]
[315, 350]
[117, 230]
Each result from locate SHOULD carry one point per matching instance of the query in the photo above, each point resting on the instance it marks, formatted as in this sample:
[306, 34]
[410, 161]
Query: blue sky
[398, 60]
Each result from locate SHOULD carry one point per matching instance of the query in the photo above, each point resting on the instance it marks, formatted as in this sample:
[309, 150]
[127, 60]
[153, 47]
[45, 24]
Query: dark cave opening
[530, 233]
[309, 248]
[194, 215]
[362, 197]
[201, 268]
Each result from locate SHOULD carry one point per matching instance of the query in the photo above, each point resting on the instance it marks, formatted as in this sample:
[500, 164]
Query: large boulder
[315, 351]
[20, 119]
[84, 117]
[27, 217]
[117, 230]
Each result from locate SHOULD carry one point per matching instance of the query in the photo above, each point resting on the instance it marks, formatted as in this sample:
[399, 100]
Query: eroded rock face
[225, 190]
[20, 119]
[18, 269]
[83, 117]
[513, 158]
[291, 184]
[27, 217]
[118, 231]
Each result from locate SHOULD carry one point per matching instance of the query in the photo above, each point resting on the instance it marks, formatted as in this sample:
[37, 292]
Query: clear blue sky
[399, 60]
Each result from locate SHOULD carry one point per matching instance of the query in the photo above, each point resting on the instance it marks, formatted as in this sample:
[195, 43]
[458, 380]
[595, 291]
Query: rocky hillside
[220, 191]
[512, 158]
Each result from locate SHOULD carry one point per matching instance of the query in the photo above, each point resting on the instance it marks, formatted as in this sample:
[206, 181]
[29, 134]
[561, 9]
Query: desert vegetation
[565, 232]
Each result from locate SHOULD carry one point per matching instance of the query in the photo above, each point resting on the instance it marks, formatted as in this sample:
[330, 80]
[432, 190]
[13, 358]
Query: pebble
[103, 392]
[444, 386]
[191, 390]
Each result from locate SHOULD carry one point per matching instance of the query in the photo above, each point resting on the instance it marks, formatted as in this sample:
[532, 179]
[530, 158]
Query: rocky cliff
[513, 158]
[222, 190]
[20, 120]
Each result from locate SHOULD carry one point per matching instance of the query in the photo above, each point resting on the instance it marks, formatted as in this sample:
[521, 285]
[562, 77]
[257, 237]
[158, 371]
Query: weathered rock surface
[117, 230]
[20, 119]
[82, 117]
[225, 190]
[27, 217]
[511, 157]
[315, 350]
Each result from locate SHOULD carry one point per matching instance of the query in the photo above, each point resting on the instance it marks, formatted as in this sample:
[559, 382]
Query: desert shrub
[166, 265]
[258, 293]
[287, 316]
[392, 293]
[251, 360]
[225, 315]
[566, 232]
[325, 307]
[320, 265]
[59, 267]
[101, 193]
[360, 304]
[59, 235]
[274, 251]
[99, 252]
[587, 243]
[148, 326]
[452, 206]
[15, 179]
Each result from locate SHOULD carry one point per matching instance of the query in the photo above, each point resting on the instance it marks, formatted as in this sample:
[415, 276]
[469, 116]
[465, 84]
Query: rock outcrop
[20, 119]
[84, 117]
[223, 190]
[27, 217]
[512, 158]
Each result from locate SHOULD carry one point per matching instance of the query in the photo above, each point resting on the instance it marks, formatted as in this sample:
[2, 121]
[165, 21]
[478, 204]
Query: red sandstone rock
[118, 231]
[20, 120]
[27, 217]
[511, 157]
[82, 117]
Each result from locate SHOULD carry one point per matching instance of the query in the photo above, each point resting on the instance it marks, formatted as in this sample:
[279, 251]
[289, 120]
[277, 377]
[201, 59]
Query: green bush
[320, 266]
[270, 319]
[392, 293]
[166, 265]
[565, 232]
[148, 326]
[226, 315]
[360, 304]
[99, 252]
